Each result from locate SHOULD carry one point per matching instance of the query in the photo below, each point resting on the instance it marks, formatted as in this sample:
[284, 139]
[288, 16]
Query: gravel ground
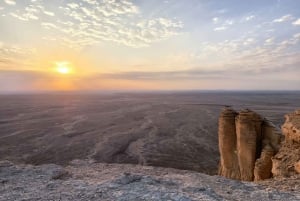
[86, 180]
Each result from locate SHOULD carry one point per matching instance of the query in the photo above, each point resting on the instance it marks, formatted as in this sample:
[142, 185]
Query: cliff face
[248, 128]
[287, 161]
[227, 136]
[247, 142]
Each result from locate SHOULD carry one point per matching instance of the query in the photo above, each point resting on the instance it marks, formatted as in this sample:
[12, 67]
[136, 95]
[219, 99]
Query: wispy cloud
[13, 56]
[269, 41]
[250, 17]
[284, 18]
[10, 2]
[297, 22]
[89, 22]
[225, 23]
[222, 28]
[215, 20]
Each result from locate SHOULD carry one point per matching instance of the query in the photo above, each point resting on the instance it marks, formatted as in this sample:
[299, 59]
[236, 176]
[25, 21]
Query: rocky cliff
[247, 143]
[287, 161]
[229, 166]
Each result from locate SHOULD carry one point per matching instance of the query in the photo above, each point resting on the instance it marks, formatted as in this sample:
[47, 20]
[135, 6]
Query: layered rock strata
[247, 143]
[227, 136]
[248, 129]
[287, 161]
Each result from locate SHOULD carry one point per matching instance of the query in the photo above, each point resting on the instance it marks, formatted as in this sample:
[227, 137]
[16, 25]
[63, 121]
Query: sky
[67, 45]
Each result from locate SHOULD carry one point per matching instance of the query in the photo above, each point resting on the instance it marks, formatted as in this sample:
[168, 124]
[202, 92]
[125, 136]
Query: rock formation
[247, 143]
[248, 128]
[287, 161]
[227, 146]
[263, 165]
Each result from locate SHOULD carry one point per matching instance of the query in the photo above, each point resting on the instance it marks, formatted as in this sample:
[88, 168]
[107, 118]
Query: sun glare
[63, 67]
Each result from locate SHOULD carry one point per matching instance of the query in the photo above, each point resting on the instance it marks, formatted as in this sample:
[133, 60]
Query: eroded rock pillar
[229, 166]
[248, 129]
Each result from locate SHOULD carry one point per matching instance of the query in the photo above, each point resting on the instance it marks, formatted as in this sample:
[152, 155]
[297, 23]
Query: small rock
[60, 174]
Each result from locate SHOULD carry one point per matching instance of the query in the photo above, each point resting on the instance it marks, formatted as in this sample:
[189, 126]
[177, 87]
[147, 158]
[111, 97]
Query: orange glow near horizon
[63, 67]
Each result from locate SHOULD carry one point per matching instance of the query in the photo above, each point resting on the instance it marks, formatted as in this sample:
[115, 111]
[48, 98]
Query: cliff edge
[253, 149]
[287, 161]
[247, 143]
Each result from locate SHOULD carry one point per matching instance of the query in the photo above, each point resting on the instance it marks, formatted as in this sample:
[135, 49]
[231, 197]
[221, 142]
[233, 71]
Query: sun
[63, 67]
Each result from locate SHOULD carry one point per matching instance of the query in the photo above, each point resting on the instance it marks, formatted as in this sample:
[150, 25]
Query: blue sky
[134, 44]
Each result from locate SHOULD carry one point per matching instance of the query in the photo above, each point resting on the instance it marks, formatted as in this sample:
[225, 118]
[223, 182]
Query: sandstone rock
[248, 128]
[291, 127]
[247, 145]
[229, 166]
[263, 165]
[271, 135]
[297, 167]
[285, 162]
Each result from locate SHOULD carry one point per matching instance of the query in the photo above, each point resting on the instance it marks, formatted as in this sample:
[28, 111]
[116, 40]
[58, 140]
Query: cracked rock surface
[86, 180]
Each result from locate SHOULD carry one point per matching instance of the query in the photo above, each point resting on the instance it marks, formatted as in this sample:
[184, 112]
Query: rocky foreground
[86, 180]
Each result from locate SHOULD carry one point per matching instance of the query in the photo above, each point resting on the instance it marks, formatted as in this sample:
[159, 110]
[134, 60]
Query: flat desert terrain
[177, 130]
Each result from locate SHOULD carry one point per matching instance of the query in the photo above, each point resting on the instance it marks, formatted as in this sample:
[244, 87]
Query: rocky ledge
[86, 180]
[252, 148]
[286, 162]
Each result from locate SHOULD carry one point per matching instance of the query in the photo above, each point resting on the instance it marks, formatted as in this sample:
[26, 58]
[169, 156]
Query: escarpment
[287, 161]
[247, 143]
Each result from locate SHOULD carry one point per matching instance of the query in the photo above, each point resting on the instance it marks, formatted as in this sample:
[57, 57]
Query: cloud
[249, 41]
[48, 13]
[269, 41]
[12, 56]
[168, 75]
[10, 2]
[88, 22]
[73, 5]
[297, 36]
[200, 73]
[229, 22]
[215, 20]
[284, 18]
[297, 22]
[222, 28]
[225, 24]
[250, 17]
[249, 53]
[48, 25]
